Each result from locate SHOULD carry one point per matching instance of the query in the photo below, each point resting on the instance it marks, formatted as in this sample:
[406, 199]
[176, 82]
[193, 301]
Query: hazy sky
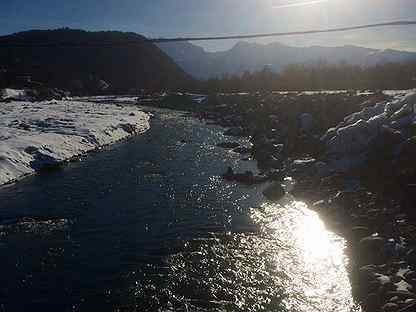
[169, 18]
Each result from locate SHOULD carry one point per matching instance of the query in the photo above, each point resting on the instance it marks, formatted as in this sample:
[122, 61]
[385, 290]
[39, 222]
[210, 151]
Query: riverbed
[149, 225]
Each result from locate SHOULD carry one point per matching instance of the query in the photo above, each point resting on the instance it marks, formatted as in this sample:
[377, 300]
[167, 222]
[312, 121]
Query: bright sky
[170, 18]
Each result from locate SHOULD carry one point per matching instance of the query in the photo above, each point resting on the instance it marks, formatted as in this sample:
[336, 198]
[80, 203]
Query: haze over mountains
[126, 62]
[251, 57]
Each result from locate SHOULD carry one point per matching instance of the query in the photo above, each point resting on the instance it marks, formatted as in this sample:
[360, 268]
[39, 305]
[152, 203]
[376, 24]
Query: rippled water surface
[148, 225]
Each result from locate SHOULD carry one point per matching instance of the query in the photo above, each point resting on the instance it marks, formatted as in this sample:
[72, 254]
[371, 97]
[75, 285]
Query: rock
[343, 200]
[320, 205]
[410, 275]
[274, 191]
[389, 286]
[408, 301]
[411, 307]
[322, 169]
[228, 144]
[394, 299]
[371, 303]
[403, 286]
[306, 122]
[275, 175]
[306, 167]
[274, 163]
[390, 307]
[275, 149]
[24, 126]
[242, 150]
[368, 272]
[403, 295]
[371, 250]
[246, 177]
[396, 279]
[44, 162]
[235, 131]
[359, 232]
[129, 128]
[31, 150]
[411, 257]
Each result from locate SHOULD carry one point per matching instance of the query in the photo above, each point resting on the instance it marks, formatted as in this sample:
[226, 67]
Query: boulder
[343, 200]
[410, 307]
[371, 303]
[228, 144]
[304, 167]
[390, 307]
[410, 275]
[407, 152]
[403, 295]
[367, 279]
[371, 250]
[411, 257]
[306, 122]
[275, 175]
[358, 233]
[129, 128]
[274, 192]
[242, 150]
[235, 131]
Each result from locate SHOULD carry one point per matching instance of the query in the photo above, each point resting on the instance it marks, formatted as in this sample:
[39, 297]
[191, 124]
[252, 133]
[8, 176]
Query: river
[149, 225]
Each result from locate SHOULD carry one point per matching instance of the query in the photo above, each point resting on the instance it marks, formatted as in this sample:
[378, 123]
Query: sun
[281, 4]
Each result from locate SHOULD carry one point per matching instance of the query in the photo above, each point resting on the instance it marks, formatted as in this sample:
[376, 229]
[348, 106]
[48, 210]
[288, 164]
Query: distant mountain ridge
[246, 56]
[126, 62]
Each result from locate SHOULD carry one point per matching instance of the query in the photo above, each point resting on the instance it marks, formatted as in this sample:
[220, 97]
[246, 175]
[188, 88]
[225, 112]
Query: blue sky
[169, 18]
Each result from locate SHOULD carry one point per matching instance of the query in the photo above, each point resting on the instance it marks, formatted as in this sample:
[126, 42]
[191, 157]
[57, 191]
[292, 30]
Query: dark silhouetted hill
[87, 62]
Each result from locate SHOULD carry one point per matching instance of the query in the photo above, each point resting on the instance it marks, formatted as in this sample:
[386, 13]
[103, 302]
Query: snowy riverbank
[386, 125]
[36, 135]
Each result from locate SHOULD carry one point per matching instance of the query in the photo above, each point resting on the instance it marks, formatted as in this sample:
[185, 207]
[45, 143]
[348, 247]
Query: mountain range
[251, 57]
[86, 62]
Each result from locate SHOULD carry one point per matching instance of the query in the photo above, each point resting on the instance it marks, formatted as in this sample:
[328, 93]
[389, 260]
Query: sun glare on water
[312, 257]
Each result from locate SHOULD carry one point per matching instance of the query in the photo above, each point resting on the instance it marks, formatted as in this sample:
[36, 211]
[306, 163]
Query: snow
[35, 135]
[13, 94]
[347, 144]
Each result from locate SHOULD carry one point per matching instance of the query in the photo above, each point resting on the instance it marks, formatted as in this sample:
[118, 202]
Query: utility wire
[293, 33]
[161, 40]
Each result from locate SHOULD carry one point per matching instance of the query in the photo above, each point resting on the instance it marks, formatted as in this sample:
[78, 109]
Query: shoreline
[44, 135]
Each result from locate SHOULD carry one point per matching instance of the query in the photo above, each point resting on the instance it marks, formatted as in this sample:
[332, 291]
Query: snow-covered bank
[350, 142]
[13, 94]
[36, 135]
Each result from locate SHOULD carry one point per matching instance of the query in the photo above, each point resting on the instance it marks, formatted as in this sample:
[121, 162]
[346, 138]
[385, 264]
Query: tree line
[317, 77]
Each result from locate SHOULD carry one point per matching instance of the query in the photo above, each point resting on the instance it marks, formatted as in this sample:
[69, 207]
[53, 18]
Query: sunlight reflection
[312, 257]
[315, 241]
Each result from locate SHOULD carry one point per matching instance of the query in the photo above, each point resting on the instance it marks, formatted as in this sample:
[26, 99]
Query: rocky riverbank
[352, 156]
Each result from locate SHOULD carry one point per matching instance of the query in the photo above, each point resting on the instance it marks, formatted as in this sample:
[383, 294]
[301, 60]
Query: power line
[293, 33]
[161, 40]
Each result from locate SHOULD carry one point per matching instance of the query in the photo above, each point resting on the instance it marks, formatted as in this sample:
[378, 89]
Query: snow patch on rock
[348, 143]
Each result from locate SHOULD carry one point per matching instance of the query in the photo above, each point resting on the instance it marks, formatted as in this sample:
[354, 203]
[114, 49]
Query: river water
[149, 225]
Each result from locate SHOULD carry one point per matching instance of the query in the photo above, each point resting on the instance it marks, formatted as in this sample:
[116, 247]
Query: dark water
[148, 225]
